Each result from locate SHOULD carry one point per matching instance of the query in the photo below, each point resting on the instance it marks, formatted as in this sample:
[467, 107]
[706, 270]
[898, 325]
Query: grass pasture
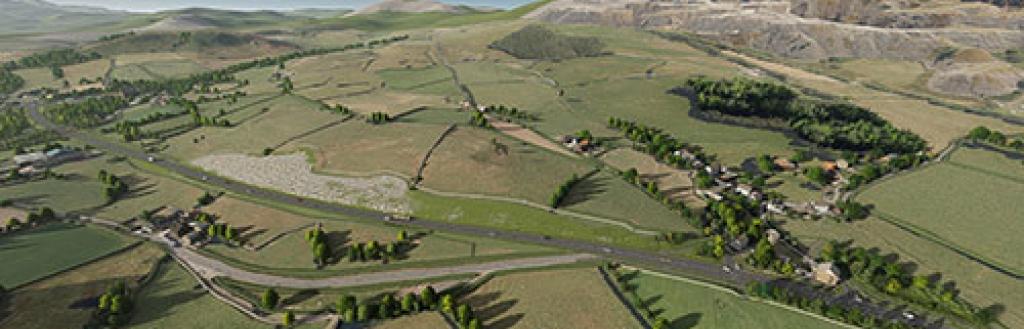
[67, 300]
[42, 251]
[425, 320]
[288, 116]
[967, 201]
[256, 223]
[606, 194]
[478, 161]
[691, 305]
[977, 283]
[292, 255]
[556, 298]
[359, 148]
[675, 182]
[172, 300]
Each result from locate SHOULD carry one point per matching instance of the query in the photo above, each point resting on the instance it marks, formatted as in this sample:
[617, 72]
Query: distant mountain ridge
[30, 16]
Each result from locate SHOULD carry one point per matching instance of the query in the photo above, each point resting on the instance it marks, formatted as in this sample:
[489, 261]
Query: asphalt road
[736, 277]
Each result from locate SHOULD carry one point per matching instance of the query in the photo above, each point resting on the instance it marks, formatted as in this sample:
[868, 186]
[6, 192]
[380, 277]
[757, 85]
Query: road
[737, 278]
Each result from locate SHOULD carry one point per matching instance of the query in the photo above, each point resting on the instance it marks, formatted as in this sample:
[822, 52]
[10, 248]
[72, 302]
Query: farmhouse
[773, 236]
[825, 273]
[829, 166]
[785, 164]
[49, 158]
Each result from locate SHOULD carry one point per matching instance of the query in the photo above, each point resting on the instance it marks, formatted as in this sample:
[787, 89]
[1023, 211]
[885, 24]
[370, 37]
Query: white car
[151, 159]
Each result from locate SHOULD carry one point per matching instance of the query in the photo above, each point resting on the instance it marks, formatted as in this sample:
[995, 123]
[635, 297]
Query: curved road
[737, 278]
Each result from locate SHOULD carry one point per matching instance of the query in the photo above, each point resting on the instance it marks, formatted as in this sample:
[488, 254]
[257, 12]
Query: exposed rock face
[778, 27]
[974, 73]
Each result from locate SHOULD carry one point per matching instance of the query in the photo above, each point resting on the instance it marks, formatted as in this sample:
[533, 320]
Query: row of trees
[663, 146]
[222, 231]
[87, 113]
[32, 219]
[563, 191]
[378, 118]
[835, 311]
[511, 113]
[478, 119]
[997, 138]
[836, 125]
[337, 108]
[115, 186]
[886, 274]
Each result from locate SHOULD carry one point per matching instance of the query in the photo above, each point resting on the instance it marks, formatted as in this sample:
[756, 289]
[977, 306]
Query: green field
[67, 300]
[172, 300]
[558, 298]
[469, 161]
[968, 202]
[606, 194]
[691, 305]
[359, 148]
[49, 249]
[426, 320]
[292, 255]
[288, 116]
[511, 216]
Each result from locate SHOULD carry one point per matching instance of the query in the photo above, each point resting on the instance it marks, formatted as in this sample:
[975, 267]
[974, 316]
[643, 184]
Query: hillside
[537, 42]
[411, 6]
[36, 16]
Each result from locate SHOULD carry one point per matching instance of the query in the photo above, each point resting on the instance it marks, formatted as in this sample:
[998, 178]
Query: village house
[825, 273]
[745, 190]
[740, 243]
[49, 158]
[842, 164]
[829, 166]
[773, 236]
[710, 194]
[776, 207]
[785, 164]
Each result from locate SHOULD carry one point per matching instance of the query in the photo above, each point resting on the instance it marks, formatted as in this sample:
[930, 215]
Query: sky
[156, 5]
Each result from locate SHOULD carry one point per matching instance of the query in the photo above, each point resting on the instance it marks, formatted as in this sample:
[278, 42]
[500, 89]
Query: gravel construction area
[293, 174]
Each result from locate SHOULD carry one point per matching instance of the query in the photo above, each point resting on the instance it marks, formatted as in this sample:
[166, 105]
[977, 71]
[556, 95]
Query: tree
[979, 133]
[270, 299]
[386, 307]
[13, 223]
[765, 164]
[345, 303]
[403, 235]
[817, 175]
[363, 313]
[447, 303]
[104, 302]
[661, 323]
[464, 313]
[230, 234]
[211, 231]
[893, 286]
[475, 324]
[289, 319]
[408, 302]
[429, 297]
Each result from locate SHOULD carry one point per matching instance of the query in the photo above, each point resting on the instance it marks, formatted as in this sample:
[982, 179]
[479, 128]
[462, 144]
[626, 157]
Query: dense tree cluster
[53, 58]
[317, 239]
[13, 122]
[886, 274]
[115, 186]
[537, 42]
[733, 218]
[563, 191]
[10, 82]
[88, 113]
[131, 130]
[373, 250]
[836, 125]
[113, 308]
[836, 311]
[478, 119]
